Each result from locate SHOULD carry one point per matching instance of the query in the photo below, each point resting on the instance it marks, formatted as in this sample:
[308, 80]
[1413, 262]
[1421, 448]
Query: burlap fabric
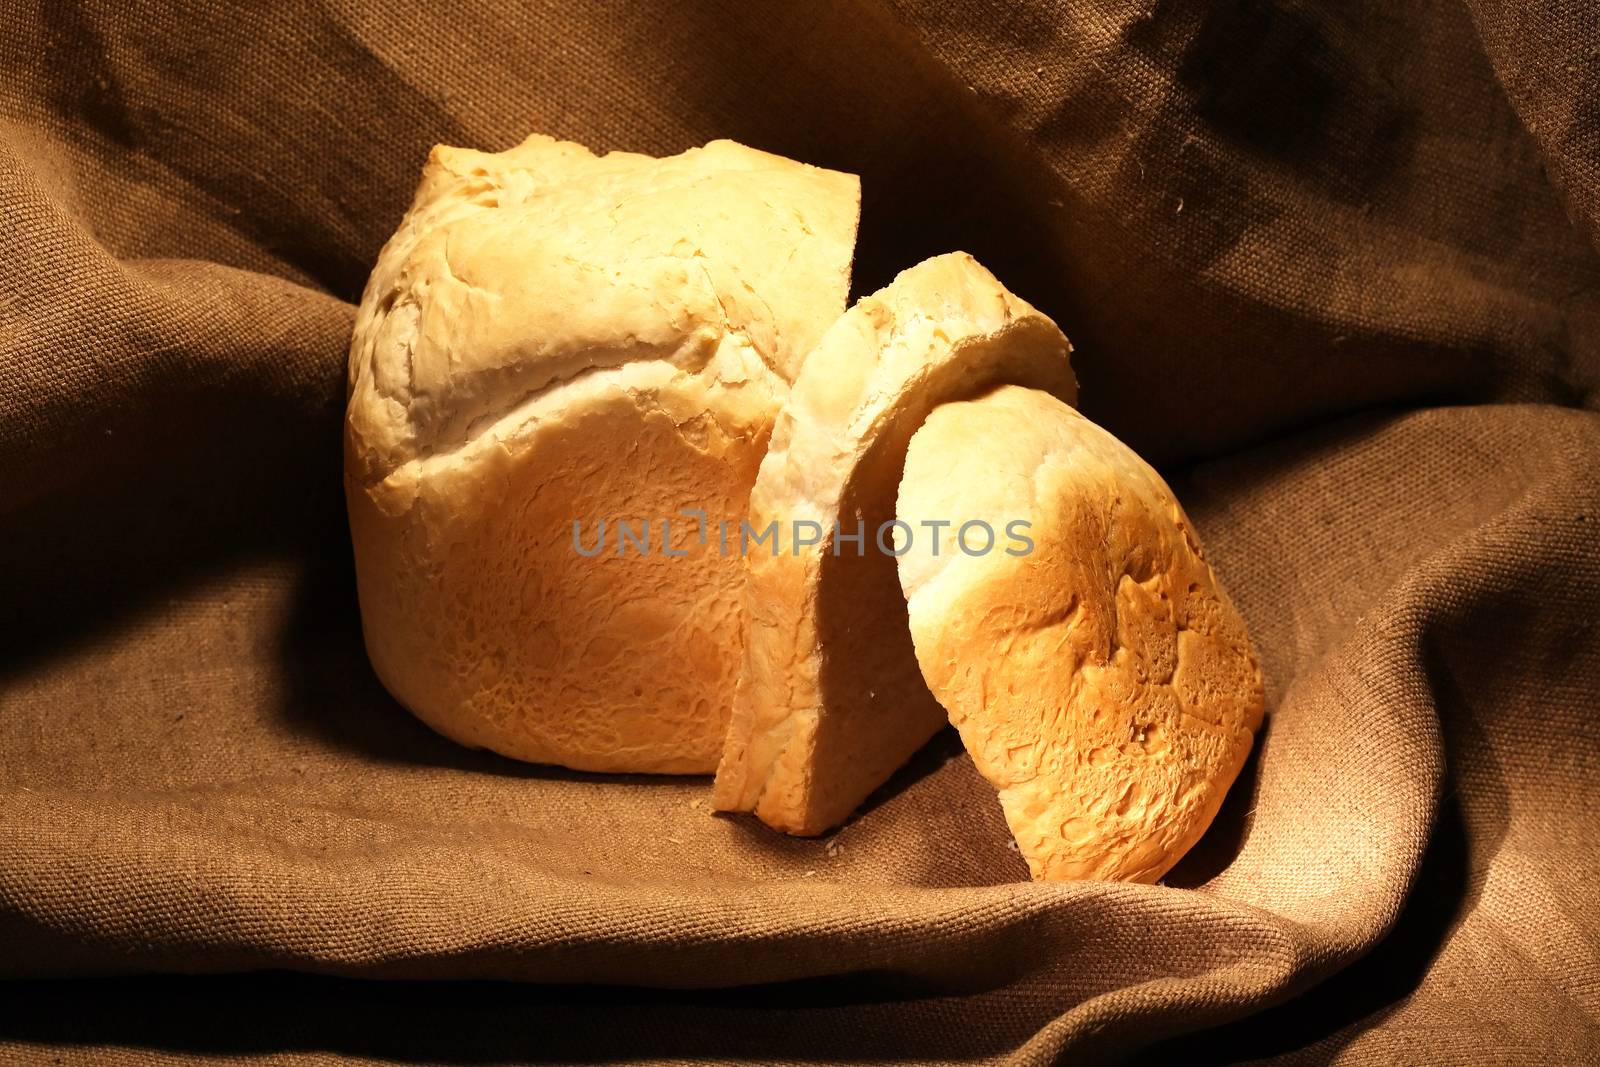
[1332, 264]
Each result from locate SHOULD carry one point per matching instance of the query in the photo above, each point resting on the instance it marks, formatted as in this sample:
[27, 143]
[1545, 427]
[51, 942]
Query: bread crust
[830, 700]
[1103, 682]
[554, 337]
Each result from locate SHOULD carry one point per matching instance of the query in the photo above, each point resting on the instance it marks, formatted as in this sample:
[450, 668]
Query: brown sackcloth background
[1332, 264]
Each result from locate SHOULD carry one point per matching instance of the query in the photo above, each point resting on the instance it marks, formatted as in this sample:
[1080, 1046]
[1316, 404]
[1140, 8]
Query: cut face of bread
[1102, 681]
[555, 338]
[830, 700]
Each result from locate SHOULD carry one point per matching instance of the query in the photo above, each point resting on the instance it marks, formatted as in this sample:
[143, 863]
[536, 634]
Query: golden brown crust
[830, 701]
[1103, 682]
[552, 337]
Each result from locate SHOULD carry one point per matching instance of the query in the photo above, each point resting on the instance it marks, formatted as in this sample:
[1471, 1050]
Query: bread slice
[1102, 680]
[553, 337]
[830, 700]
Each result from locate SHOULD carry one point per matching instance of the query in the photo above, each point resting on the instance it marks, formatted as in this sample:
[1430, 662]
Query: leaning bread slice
[1099, 676]
[830, 701]
[557, 355]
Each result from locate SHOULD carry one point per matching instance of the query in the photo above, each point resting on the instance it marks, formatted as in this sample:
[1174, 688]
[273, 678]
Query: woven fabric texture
[1332, 265]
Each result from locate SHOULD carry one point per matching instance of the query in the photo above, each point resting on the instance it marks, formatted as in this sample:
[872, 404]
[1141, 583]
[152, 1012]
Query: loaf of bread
[830, 700]
[552, 345]
[1102, 681]
[573, 543]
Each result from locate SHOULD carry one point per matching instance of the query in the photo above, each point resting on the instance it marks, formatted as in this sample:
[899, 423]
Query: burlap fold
[1333, 266]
